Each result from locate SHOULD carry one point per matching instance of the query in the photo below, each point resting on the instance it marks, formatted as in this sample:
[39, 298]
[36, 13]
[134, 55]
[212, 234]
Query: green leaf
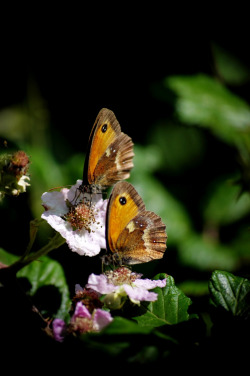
[170, 308]
[230, 292]
[121, 325]
[241, 243]
[204, 253]
[43, 178]
[147, 159]
[166, 135]
[7, 258]
[203, 101]
[229, 67]
[225, 204]
[194, 288]
[48, 272]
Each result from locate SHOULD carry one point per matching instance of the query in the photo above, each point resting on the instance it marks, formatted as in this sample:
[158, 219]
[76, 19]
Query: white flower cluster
[81, 224]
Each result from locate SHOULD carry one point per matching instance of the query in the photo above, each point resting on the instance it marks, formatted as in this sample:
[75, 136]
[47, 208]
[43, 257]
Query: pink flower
[59, 329]
[81, 224]
[121, 283]
[82, 322]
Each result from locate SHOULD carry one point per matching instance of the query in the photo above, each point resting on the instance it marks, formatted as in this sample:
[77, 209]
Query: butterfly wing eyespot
[134, 233]
[104, 128]
[122, 200]
[118, 214]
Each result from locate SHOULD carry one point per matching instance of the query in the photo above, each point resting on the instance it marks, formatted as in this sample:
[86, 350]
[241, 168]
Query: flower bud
[114, 301]
[13, 169]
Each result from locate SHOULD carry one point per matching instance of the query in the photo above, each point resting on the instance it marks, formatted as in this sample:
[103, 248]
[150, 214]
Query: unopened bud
[13, 169]
[113, 301]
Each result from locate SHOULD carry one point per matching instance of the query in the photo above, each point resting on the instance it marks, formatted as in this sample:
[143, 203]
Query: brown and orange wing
[116, 163]
[110, 152]
[143, 239]
[124, 205]
[135, 234]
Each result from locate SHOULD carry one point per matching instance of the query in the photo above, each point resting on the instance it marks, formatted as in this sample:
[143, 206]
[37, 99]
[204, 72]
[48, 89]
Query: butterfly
[109, 156]
[133, 233]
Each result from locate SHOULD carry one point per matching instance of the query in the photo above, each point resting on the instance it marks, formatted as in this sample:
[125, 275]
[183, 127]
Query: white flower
[82, 224]
[23, 183]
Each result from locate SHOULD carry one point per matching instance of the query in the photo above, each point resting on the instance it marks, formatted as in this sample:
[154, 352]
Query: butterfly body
[132, 232]
[109, 156]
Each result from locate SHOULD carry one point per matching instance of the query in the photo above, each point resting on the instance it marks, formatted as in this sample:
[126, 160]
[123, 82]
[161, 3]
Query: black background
[83, 61]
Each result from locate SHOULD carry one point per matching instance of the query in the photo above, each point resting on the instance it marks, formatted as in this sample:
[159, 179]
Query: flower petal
[54, 203]
[101, 319]
[137, 294]
[100, 284]
[81, 311]
[84, 242]
[23, 183]
[150, 283]
[59, 329]
[56, 222]
[78, 288]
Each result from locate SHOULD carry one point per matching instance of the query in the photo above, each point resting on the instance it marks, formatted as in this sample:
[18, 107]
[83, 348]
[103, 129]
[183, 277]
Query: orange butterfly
[133, 233]
[109, 157]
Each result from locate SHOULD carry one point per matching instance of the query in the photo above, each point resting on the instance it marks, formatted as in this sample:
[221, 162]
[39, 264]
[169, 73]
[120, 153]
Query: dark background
[82, 61]
[88, 62]
[111, 62]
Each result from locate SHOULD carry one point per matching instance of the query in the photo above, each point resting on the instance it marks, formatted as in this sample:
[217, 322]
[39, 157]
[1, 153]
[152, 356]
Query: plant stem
[54, 243]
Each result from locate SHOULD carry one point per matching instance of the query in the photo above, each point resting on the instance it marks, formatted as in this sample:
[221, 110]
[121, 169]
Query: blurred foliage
[204, 101]
[168, 167]
[229, 68]
[39, 275]
[193, 171]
